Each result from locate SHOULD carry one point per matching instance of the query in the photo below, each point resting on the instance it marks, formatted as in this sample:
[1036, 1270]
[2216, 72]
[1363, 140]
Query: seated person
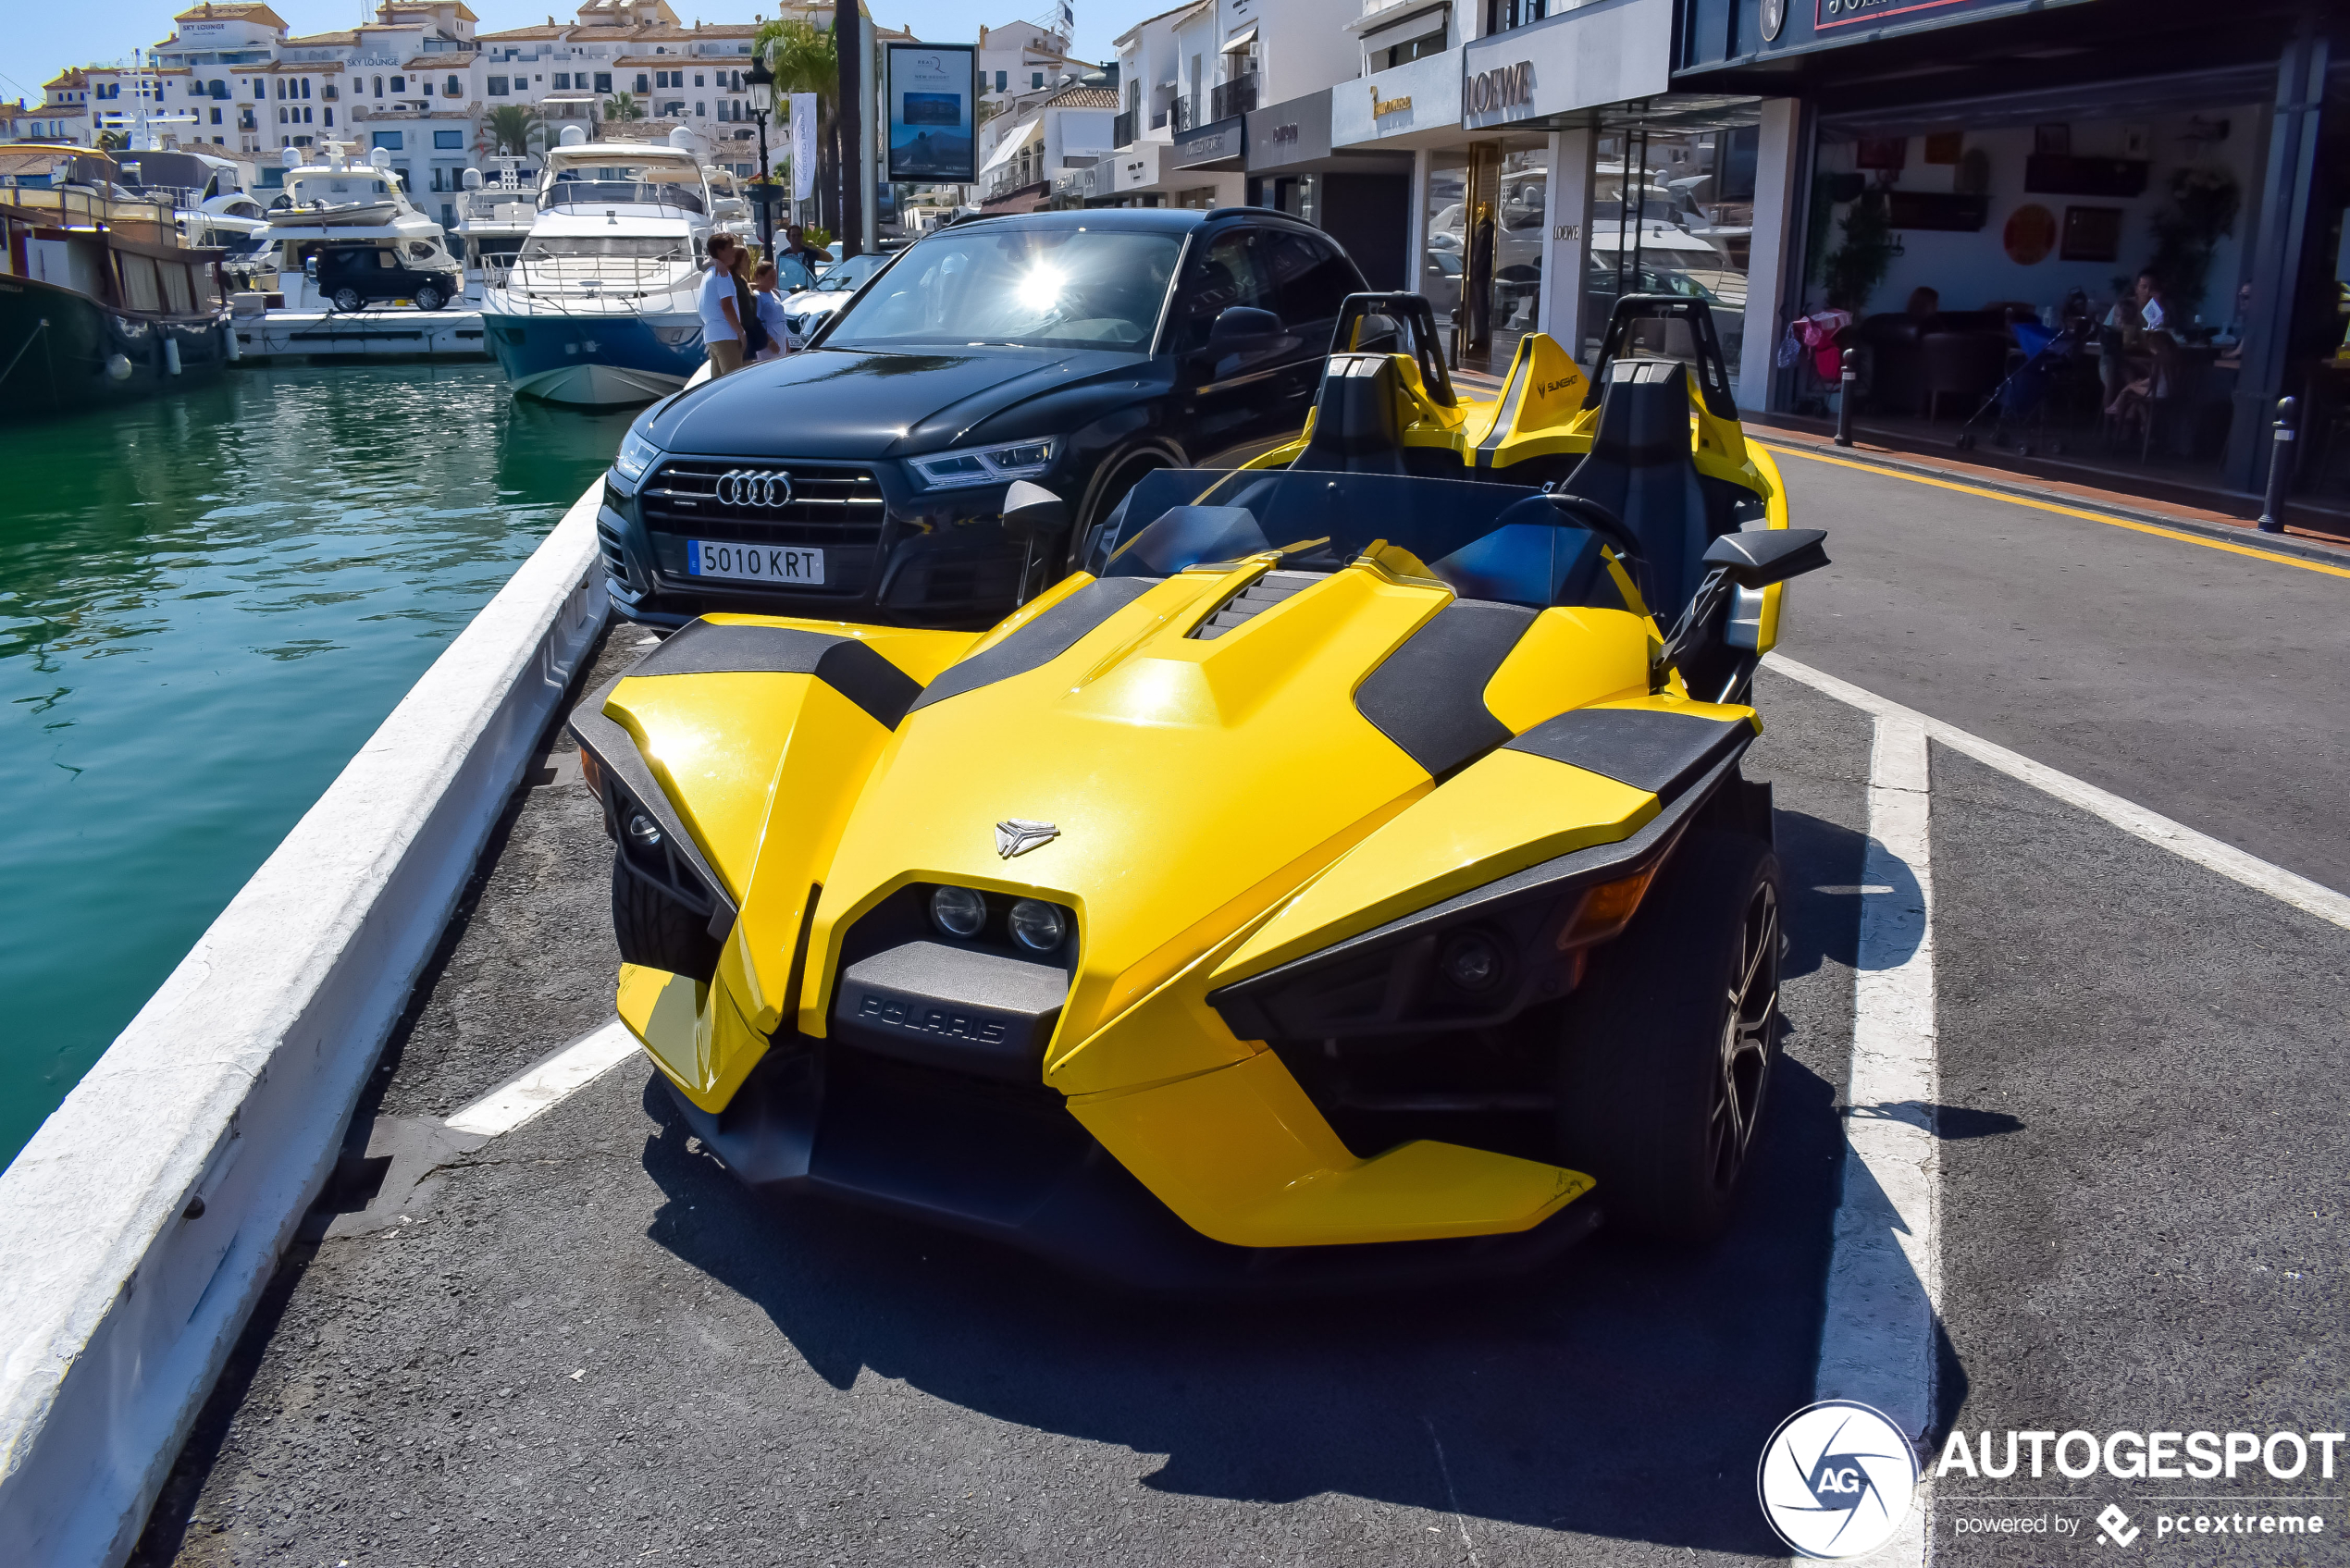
[1923, 306]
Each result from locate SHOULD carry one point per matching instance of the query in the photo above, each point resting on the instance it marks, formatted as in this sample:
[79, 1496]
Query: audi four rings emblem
[754, 487]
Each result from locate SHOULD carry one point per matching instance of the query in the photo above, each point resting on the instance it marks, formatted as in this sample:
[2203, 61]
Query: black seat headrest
[1644, 414]
[1356, 426]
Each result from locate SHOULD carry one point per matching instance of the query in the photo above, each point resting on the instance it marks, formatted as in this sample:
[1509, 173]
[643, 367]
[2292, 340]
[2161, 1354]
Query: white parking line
[2312, 897]
[546, 1083]
[1885, 1274]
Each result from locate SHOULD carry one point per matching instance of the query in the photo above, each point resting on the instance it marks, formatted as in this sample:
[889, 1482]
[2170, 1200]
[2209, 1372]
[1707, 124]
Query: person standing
[780, 340]
[722, 326]
[796, 244]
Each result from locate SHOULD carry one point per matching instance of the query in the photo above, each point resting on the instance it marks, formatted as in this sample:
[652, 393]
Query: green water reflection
[206, 603]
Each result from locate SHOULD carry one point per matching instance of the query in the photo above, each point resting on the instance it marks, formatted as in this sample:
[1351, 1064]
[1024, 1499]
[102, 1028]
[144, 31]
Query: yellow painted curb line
[2061, 511]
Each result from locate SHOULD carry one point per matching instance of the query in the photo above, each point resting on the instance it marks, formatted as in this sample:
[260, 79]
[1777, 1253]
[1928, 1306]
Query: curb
[2245, 534]
[147, 1215]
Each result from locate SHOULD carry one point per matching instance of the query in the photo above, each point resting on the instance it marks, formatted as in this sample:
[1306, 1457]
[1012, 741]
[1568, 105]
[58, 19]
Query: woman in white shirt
[770, 300]
[722, 328]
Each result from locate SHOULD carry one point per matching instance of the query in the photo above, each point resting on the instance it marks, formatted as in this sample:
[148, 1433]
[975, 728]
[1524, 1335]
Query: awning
[1012, 144]
[46, 160]
[1430, 20]
[1240, 39]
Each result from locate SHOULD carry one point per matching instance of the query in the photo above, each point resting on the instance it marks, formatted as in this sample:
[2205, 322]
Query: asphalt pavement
[580, 1342]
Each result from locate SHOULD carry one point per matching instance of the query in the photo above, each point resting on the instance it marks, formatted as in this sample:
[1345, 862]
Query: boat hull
[595, 360]
[60, 350]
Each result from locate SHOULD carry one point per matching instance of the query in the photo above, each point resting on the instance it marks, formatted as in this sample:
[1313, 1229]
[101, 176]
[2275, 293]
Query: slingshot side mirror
[1767, 555]
[1032, 511]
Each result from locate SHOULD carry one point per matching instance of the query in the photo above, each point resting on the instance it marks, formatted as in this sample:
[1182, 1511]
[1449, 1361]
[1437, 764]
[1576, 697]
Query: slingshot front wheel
[1669, 1042]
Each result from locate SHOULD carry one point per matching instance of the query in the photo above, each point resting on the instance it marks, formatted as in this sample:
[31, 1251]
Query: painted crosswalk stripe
[2311, 898]
[546, 1084]
[1884, 1273]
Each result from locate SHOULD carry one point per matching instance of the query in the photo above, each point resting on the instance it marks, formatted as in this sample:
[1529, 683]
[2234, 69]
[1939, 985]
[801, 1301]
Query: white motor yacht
[494, 216]
[600, 307]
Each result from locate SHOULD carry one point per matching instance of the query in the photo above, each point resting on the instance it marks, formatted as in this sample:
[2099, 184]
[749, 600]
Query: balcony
[1123, 130]
[1237, 96]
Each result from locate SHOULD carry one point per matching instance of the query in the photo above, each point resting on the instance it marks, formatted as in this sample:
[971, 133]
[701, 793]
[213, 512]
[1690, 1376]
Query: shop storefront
[1363, 200]
[1205, 164]
[2102, 233]
[1410, 110]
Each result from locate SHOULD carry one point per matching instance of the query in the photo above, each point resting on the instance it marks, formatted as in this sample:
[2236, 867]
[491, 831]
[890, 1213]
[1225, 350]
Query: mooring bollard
[1844, 401]
[2279, 470]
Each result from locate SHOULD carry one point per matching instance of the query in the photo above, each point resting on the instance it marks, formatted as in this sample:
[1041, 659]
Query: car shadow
[1624, 1392]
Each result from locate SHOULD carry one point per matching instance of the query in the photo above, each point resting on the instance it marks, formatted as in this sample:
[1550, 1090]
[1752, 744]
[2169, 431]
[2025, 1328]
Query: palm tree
[512, 127]
[113, 140]
[622, 105]
[801, 55]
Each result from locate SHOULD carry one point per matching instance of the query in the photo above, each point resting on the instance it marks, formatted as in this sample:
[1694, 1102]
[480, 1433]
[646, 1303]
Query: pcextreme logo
[1836, 1479]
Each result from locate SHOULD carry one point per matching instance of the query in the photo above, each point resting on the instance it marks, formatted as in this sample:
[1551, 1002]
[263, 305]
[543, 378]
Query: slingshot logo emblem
[1837, 1479]
[753, 487]
[1019, 835]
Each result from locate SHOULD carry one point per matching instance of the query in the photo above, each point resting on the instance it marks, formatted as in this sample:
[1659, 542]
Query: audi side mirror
[1243, 330]
[1032, 511]
[1767, 555]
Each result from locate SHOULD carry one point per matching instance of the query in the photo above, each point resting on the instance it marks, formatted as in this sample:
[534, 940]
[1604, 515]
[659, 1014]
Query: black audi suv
[863, 478]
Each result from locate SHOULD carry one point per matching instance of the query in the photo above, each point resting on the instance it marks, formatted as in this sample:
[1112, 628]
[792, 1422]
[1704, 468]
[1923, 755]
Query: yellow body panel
[1194, 782]
[1242, 1156]
[1567, 658]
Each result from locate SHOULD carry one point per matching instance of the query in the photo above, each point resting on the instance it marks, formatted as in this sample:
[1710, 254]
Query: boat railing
[584, 281]
[78, 207]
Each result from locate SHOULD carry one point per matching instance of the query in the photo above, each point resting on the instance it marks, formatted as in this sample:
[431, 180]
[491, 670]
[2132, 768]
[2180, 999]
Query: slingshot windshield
[1500, 542]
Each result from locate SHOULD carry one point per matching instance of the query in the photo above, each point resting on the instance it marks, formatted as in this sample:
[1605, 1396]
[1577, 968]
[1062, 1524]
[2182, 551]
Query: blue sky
[40, 39]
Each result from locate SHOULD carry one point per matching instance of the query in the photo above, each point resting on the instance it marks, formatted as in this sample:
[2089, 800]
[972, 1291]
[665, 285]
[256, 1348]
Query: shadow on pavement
[1623, 1393]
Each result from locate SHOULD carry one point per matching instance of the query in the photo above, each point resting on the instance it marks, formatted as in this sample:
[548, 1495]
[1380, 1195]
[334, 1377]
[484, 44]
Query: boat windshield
[1044, 288]
[647, 184]
[571, 247]
[1500, 542]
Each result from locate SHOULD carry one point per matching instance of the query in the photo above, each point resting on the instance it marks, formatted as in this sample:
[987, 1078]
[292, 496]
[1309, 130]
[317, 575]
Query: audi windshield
[1023, 288]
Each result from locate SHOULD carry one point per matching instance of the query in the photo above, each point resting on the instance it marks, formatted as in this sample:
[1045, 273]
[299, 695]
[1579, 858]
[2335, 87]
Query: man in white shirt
[722, 328]
[2150, 315]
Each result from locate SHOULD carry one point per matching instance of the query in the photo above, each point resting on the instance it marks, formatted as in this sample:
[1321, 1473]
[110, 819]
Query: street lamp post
[761, 83]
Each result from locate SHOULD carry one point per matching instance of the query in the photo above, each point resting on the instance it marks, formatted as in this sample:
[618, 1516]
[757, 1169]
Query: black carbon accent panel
[1663, 753]
[1429, 696]
[1040, 641]
[849, 667]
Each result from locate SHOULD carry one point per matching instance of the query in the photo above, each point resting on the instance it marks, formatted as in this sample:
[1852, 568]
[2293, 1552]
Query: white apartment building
[420, 82]
[1068, 130]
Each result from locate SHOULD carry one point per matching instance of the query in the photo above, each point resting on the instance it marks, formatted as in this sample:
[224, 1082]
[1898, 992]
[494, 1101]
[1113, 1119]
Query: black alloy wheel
[1666, 1048]
[1750, 1023]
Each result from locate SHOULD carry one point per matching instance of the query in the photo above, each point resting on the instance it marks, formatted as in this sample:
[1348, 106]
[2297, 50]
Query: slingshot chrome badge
[1018, 836]
[753, 487]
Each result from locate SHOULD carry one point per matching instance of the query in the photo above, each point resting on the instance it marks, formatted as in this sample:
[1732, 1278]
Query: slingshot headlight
[1038, 926]
[957, 911]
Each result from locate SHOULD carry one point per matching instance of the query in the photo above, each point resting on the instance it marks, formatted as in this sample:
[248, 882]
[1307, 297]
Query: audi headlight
[984, 465]
[636, 455]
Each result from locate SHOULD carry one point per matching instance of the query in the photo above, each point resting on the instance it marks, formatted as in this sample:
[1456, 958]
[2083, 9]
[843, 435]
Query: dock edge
[141, 1223]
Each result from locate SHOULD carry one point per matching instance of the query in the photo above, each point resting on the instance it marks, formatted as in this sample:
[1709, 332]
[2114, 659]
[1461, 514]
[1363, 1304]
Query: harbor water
[207, 602]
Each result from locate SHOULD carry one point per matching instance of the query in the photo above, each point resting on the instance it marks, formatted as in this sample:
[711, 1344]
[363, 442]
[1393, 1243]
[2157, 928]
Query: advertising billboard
[933, 98]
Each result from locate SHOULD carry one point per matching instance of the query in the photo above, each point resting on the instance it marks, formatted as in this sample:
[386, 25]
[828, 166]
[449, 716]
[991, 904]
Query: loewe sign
[1505, 87]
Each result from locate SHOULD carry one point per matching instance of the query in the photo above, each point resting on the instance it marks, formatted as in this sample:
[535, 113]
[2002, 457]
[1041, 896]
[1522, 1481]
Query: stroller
[2025, 393]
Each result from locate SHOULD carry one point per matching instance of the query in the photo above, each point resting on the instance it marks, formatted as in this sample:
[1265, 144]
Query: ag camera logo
[1837, 1479]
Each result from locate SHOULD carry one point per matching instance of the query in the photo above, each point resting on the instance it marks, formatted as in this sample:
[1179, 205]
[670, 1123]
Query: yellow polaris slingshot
[1345, 875]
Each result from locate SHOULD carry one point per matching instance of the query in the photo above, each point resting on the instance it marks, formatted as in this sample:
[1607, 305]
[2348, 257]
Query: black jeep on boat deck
[863, 478]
